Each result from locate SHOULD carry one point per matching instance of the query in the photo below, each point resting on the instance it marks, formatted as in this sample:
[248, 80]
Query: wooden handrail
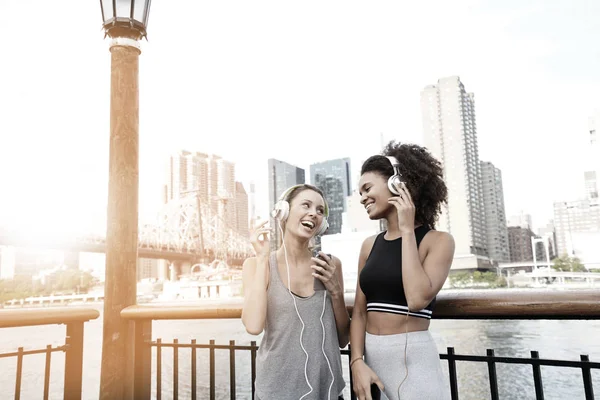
[472, 304]
[13, 318]
[164, 312]
[519, 304]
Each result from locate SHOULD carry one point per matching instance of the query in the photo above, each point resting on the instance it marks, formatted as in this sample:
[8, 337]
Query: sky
[293, 81]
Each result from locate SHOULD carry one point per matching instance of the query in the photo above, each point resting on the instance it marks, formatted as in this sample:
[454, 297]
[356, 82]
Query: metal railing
[74, 319]
[536, 363]
[486, 304]
[211, 347]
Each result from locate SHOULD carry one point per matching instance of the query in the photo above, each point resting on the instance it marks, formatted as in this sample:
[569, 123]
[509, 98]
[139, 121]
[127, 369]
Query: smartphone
[318, 284]
[375, 392]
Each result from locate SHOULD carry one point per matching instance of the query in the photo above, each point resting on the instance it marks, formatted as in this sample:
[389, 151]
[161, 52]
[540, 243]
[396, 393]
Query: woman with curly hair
[400, 270]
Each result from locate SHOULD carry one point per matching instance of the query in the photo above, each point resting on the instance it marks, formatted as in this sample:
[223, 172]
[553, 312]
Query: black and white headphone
[281, 211]
[395, 181]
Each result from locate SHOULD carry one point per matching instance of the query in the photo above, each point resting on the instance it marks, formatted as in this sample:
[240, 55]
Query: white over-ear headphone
[395, 181]
[282, 209]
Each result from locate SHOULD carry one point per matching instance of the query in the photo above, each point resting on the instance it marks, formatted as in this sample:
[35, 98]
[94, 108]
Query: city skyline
[233, 96]
[211, 178]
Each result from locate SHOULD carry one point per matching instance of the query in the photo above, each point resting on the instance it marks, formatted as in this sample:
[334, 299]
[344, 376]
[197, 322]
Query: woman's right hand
[260, 240]
[362, 379]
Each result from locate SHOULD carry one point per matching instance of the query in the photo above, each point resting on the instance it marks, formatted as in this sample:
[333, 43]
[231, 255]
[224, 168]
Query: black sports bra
[381, 277]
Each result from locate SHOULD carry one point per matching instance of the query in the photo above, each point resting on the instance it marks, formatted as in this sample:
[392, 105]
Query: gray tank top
[280, 360]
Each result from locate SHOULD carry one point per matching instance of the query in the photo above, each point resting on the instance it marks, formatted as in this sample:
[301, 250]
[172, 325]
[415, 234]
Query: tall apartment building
[281, 176]
[252, 205]
[210, 177]
[521, 247]
[592, 167]
[495, 215]
[548, 232]
[333, 178]
[577, 222]
[241, 209]
[187, 172]
[450, 134]
[522, 219]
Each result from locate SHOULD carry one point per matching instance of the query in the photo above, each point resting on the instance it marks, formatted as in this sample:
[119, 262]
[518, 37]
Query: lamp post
[125, 22]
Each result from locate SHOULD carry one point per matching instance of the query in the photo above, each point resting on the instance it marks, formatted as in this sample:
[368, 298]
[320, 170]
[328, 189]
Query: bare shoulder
[439, 241]
[367, 245]
[440, 236]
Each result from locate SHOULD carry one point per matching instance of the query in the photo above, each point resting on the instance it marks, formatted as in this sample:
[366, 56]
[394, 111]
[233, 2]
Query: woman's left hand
[325, 270]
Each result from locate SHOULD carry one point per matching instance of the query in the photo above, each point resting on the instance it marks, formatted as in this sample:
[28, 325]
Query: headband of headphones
[284, 196]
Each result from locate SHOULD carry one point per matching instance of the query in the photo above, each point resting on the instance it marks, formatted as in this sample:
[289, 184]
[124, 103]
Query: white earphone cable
[323, 347]
[405, 351]
[287, 265]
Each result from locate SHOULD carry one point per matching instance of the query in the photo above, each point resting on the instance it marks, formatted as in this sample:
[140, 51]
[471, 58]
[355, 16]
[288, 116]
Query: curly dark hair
[423, 174]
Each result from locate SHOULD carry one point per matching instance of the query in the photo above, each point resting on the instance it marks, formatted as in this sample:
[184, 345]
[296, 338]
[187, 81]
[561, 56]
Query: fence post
[452, 373]
[73, 361]
[142, 359]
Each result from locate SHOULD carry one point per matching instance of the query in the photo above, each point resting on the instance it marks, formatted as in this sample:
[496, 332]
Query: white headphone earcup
[281, 210]
[394, 185]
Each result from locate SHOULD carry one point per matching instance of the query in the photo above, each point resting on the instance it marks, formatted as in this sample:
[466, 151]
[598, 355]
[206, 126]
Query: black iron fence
[536, 363]
[585, 365]
[468, 305]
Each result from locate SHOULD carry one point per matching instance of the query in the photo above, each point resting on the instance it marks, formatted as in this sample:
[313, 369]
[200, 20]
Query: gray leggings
[425, 381]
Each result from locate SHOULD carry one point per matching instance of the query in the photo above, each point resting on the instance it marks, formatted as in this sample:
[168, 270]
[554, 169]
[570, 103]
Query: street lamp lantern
[125, 17]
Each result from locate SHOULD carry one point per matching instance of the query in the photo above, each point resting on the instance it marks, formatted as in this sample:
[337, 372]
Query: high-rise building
[147, 268]
[495, 216]
[187, 172]
[221, 189]
[281, 177]
[333, 178]
[252, 205]
[211, 178]
[592, 167]
[522, 220]
[450, 134]
[519, 241]
[241, 209]
[548, 232]
[574, 220]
